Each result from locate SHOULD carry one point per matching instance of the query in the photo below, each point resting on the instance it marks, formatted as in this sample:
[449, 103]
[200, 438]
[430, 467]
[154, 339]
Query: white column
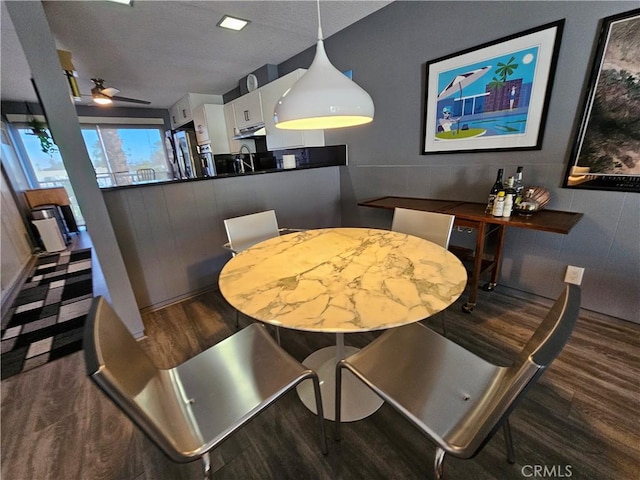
[40, 50]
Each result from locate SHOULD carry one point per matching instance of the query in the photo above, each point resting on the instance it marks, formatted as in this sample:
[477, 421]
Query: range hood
[250, 132]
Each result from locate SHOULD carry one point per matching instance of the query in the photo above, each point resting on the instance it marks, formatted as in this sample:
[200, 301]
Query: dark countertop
[306, 158]
[222, 175]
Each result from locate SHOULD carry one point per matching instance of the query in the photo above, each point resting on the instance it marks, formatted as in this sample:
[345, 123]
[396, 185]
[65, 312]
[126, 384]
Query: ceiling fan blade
[130, 100]
[110, 91]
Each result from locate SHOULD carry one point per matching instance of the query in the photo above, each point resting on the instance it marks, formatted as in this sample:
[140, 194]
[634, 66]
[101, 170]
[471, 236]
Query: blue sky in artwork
[526, 60]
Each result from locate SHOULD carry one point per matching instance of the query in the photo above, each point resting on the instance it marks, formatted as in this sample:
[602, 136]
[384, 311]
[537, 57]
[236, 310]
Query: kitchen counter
[171, 236]
[306, 158]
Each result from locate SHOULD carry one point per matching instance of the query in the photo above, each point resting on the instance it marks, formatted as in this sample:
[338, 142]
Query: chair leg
[278, 335]
[319, 409]
[338, 401]
[438, 464]
[206, 466]
[508, 440]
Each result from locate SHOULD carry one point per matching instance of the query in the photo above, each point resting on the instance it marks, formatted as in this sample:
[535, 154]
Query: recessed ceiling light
[232, 23]
[124, 2]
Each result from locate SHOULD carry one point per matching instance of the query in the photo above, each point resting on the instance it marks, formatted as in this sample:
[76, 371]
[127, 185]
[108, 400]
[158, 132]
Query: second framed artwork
[491, 97]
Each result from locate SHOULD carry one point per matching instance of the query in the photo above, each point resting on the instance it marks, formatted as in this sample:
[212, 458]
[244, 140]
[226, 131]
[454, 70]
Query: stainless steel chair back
[553, 333]
[247, 230]
[190, 409]
[432, 226]
[456, 398]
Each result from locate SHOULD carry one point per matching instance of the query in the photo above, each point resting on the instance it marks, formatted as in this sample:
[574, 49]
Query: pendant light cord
[319, 24]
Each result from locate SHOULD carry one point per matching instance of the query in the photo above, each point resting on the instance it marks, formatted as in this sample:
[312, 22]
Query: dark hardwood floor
[581, 419]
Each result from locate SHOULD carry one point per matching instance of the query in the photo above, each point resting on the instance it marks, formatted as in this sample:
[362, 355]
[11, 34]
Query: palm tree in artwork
[506, 69]
[499, 82]
[495, 83]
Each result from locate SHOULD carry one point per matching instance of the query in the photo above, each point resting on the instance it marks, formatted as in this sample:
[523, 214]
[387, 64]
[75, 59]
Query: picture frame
[606, 147]
[493, 97]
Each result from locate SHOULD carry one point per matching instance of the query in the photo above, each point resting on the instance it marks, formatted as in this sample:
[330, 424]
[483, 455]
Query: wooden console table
[490, 232]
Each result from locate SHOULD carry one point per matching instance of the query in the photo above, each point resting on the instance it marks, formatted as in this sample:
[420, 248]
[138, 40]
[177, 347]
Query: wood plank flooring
[583, 413]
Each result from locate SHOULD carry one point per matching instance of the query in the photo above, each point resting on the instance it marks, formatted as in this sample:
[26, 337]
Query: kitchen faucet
[242, 162]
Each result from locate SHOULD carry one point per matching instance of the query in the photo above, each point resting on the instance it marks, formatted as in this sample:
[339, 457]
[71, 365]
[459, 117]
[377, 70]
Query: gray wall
[171, 235]
[387, 52]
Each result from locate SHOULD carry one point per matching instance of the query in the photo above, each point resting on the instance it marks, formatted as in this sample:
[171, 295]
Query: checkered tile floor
[47, 318]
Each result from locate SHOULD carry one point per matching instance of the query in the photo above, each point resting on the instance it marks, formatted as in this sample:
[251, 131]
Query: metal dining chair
[457, 399]
[189, 410]
[247, 230]
[432, 226]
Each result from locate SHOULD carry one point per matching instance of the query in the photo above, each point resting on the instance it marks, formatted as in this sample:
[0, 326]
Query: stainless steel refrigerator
[187, 153]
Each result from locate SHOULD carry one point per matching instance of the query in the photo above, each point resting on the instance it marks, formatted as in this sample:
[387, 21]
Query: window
[45, 169]
[117, 152]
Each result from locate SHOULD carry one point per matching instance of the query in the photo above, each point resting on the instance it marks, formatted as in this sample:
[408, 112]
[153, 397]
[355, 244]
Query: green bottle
[497, 186]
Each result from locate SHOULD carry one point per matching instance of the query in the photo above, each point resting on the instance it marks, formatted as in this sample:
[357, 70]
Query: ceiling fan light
[101, 99]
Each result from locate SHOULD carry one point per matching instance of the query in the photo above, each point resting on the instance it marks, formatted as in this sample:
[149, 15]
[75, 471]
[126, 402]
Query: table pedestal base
[358, 401]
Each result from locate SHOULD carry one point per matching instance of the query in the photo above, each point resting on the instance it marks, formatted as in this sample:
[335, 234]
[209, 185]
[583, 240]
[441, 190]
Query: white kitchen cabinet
[257, 107]
[248, 110]
[181, 112]
[210, 126]
[230, 119]
[278, 139]
[174, 117]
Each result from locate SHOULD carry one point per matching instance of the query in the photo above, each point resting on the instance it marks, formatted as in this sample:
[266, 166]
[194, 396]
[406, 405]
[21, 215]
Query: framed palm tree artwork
[491, 97]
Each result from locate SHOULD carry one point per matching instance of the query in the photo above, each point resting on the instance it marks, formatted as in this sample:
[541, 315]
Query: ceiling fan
[105, 95]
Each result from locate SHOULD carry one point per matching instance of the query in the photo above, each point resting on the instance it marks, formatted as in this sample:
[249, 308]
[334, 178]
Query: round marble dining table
[342, 280]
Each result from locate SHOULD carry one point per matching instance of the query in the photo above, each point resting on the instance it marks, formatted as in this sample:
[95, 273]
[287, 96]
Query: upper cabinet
[181, 112]
[210, 126]
[248, 110]
[256, 108]
[230, 120]
[278, 139]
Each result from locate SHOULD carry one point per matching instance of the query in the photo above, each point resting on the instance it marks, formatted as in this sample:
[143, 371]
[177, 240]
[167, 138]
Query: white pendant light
[323, 97]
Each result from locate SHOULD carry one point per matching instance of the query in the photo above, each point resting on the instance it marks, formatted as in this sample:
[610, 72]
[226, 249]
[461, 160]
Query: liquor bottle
[518, 186]
[509, 197]
[498, 204]
[497, 186]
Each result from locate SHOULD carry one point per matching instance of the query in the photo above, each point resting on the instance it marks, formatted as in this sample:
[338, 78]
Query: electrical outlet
[574, 275]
